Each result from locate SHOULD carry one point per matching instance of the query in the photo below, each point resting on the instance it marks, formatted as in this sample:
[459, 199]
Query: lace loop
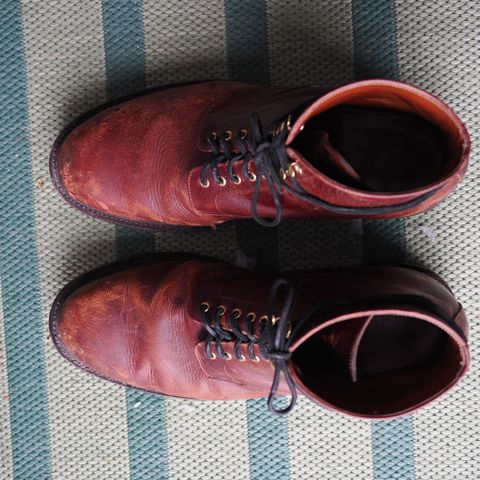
[272, 339]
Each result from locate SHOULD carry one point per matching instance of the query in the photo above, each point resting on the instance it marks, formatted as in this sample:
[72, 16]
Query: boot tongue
[345, 339]
[332, 160]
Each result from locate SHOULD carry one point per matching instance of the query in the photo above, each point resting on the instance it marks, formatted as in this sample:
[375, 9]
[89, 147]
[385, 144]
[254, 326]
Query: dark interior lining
[402, 362]
[390, 150]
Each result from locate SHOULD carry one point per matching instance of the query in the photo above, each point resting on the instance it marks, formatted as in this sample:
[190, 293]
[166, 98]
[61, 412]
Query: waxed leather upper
[141, 327]
[141, 160]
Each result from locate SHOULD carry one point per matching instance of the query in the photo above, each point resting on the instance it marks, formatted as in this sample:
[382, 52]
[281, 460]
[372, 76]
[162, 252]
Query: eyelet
[227, 136]
[205, 185]
[222, 181]
[293, 169]
[263, 317]
[237, 312]
[252, 315]
[236, 179]
[206, 306]
[213, 357]
[251, 176]
[227, 357]
[243, 133]
[256, 359]
[221, 309]
[242, 358]
[212, 135]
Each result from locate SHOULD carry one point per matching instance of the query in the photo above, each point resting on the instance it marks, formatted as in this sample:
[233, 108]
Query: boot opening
[397, 364]
[375, 149]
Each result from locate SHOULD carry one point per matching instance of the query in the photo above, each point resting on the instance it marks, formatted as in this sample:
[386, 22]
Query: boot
[373, 342]
[205, 153]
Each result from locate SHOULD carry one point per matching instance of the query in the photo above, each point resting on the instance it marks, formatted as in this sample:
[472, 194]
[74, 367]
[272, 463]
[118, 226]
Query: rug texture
[59, 58]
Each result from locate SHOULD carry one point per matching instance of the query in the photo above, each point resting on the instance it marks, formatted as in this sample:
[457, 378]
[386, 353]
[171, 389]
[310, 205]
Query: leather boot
[373, 342]
[205, 153]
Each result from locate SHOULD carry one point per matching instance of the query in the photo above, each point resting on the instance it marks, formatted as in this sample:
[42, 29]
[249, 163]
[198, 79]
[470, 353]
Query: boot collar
[382, 94]
[343, 326]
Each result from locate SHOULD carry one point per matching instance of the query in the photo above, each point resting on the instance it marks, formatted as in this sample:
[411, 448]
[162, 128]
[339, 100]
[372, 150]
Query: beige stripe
[310, 42]
[184, 41]
[438, 49]
[327, 445]
[324, 444]
[207, 440]
[6, 465]
[66, 76]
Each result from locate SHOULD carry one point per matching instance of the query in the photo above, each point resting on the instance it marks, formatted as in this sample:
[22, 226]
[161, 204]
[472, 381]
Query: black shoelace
[267, 152]
[272, 338]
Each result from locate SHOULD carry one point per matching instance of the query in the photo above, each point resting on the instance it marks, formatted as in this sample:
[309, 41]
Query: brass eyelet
[228, 135]
[251, 176]
[205, 185]
[252, 315]
[213, 357]
[227, 356]
[212, 136]
[242, 358]
[283, 174]
[293, 168]
[275, 319]
[243, 133]
[256, 359]
[206, 306]
[237, 312]
[263, 317]
[222, 181]
[221, 309]
[236, 179]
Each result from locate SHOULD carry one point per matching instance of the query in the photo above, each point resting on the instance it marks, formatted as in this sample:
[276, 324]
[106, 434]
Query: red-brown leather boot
[371, 342]
[206, 153]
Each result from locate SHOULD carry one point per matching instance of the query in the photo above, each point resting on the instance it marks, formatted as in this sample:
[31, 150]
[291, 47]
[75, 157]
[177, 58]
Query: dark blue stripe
[125, 69]
[248, 61]
[18, 262]
[375, 55]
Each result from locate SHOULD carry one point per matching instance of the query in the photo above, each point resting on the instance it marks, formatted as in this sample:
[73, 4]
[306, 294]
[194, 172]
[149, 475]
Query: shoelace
[267, 152]
[273, 338]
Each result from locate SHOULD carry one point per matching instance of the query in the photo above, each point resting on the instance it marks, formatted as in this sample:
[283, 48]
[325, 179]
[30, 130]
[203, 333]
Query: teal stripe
[248, 60]
[375, 55]
[124, 46]
[268, 442]
[125, 69]
[392, 443]
[374, 39]
[18, 262]
[384, 241]
[247, 40]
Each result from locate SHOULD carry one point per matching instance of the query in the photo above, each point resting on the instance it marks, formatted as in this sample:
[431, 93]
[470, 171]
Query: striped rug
[58, 58]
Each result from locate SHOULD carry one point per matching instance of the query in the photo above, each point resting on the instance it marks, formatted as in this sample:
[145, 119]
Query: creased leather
[141, 326]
